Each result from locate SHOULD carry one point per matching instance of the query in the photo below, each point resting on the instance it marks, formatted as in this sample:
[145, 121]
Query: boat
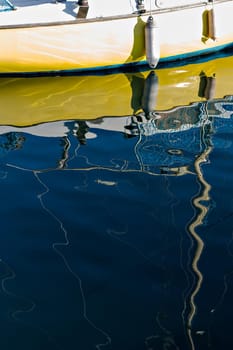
[53, 37]
[28, 101]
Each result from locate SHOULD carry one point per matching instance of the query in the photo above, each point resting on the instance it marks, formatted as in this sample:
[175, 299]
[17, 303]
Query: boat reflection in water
[164, 110]
[101, 129]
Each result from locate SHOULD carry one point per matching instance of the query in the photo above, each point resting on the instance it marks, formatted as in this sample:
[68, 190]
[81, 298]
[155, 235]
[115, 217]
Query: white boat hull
[76, 44]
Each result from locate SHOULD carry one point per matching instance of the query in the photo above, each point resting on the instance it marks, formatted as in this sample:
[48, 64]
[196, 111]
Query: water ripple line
[15, 315]
[11, 276]
[67, 265]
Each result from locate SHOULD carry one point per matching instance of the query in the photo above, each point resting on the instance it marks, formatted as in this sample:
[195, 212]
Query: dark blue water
[118, 239]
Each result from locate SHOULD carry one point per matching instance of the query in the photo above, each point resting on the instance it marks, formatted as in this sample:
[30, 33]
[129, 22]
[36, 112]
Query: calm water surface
[117, 233]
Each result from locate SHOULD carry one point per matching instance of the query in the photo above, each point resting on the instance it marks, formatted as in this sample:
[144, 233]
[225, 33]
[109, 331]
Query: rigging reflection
[201, 207]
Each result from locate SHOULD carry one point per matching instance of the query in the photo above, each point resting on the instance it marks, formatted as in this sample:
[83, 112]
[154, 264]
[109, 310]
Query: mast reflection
[201, 206]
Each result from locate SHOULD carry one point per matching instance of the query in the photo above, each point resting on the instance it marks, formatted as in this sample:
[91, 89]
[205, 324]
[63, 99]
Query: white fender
[211, 25]
[150, 94]
[152, 42]
[210, 88]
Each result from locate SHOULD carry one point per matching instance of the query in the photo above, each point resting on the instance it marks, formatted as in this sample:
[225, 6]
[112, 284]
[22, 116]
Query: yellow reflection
[29, 101]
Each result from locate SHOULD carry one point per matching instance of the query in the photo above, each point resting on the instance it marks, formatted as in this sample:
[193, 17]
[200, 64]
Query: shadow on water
[110, 226]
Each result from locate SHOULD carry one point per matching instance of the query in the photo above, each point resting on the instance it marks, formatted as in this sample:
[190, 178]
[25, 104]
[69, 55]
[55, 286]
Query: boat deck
[42, 11]
[50, 11]
[29, 12]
